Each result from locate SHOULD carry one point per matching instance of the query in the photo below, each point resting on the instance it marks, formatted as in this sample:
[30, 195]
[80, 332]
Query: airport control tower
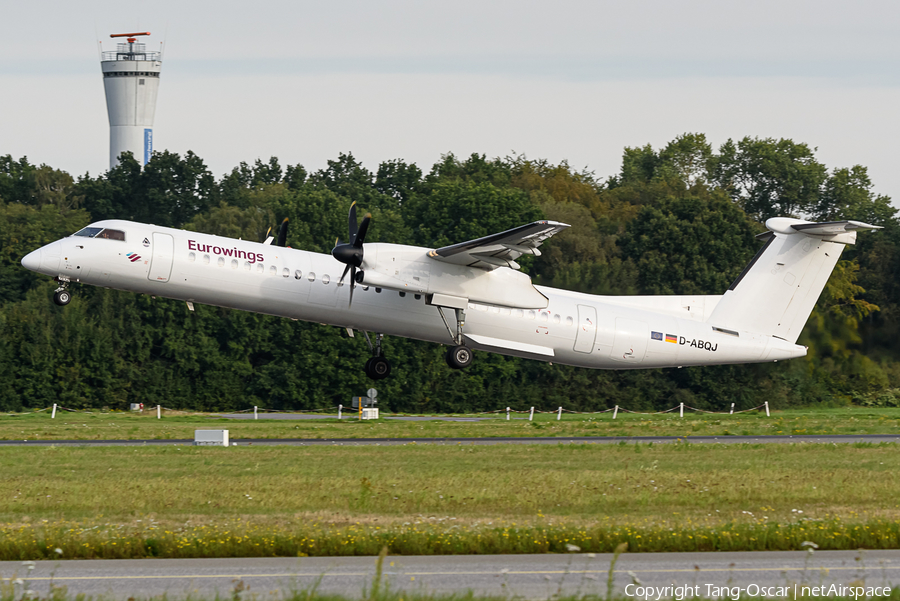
[131, 81]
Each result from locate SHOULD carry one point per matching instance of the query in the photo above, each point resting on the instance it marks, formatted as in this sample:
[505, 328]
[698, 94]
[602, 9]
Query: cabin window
[298, 274]
[326, 278]
[481, 307]
[273, 270]
[88, 232]
[311, 277]
[285, 273]
[247, 265]
[234, 263]
[505, 312]
[556, 318]
[221, 262]
[402, 295]
[206, 259]
[192, 257]
[545, 316]
[569, 321]
[378, 290]
[495, 309]
[260, 268]
[418, 297]
[519, 313]
[531, 315]
[365, 288]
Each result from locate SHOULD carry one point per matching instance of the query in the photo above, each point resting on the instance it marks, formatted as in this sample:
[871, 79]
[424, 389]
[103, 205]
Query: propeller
[351, 253]
[282, 233]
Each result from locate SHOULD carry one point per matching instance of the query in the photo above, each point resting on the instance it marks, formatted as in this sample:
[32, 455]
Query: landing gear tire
[459, 357]
[62, 297]
[378, 368]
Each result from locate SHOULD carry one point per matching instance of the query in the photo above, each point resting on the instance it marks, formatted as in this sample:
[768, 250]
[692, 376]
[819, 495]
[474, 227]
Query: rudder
[777, 291]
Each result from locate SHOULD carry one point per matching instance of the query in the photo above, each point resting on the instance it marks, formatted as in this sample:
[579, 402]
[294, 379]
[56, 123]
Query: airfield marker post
[340, 408]
[255, 415]
[767, 409]
[531, 415]
[732, 410]
[53, 415]
[507, 414]
[559, 414]
[615, 412]
[681, 410]
[159, 412]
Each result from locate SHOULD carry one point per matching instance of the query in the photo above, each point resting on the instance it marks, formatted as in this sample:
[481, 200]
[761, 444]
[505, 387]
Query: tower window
[140, 82]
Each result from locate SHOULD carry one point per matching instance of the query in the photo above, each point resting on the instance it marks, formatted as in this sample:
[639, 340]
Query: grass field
[99, 426]
[196, 501]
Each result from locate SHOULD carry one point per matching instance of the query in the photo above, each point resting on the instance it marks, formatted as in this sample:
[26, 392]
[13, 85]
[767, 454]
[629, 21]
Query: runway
[785, 439]
[526, 576]
[350, 414]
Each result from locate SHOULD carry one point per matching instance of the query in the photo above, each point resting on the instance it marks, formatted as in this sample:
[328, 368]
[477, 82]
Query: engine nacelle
[409, 269]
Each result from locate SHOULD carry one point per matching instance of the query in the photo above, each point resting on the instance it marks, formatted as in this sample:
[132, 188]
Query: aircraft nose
[32, 260]
[50, 257]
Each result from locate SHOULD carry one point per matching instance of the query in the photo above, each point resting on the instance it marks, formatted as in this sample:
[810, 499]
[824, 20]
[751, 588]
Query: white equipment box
[369, 413]
[217, 438]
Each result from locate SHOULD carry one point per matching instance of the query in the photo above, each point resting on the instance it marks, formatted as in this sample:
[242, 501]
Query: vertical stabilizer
[777, 291]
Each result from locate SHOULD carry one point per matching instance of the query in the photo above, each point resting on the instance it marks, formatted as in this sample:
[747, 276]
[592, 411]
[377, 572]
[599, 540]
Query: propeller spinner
[351, 253]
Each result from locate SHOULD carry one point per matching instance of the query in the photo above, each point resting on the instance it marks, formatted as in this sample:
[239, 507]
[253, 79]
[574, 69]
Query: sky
[570, 80]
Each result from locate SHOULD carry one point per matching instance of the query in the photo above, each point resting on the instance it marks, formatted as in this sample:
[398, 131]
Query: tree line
[680, 219]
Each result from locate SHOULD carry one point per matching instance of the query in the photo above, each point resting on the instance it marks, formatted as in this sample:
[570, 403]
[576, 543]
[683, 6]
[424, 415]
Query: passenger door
[587, 329]
[161, 261]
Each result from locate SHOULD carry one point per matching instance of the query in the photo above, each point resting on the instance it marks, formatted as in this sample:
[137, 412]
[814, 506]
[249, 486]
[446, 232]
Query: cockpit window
[89, 232]
[111, 234]
[99, 232]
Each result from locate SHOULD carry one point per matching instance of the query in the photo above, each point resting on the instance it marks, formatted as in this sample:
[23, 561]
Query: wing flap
[499, 250]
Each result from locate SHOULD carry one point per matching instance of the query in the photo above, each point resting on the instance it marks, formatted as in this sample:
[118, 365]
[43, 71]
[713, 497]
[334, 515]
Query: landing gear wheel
[62, 297]
[459, 357]
[378, 368]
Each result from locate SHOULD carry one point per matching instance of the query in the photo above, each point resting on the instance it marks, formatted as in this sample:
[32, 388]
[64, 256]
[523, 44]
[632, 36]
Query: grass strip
[119, 425]
[96, 540]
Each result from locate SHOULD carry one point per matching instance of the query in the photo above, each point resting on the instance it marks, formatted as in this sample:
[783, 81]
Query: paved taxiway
[528, 576]
[786, 439]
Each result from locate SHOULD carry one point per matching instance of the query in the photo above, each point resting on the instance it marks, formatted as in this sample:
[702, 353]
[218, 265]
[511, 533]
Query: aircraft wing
[499, 250]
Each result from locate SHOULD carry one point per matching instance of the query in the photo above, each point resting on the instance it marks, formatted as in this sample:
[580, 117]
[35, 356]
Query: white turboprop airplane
[409, 290]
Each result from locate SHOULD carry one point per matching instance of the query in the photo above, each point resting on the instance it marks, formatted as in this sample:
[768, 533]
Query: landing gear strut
[377, 367]
[62, 297]
[458, 356]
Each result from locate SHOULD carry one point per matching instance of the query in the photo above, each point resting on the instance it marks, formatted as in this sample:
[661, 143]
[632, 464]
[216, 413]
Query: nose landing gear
[61, 296]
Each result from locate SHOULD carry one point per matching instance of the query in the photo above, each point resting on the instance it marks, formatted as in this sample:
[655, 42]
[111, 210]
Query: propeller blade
[351, 222]
[346, 269]
[352, 284]
[282, 233]
[361, 234]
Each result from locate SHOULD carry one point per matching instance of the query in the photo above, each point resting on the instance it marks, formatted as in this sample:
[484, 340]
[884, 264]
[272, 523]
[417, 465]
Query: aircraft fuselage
[574, 328]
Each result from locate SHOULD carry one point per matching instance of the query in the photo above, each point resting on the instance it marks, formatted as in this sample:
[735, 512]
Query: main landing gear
[62, 297]
[458, 356]
[377, 367]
